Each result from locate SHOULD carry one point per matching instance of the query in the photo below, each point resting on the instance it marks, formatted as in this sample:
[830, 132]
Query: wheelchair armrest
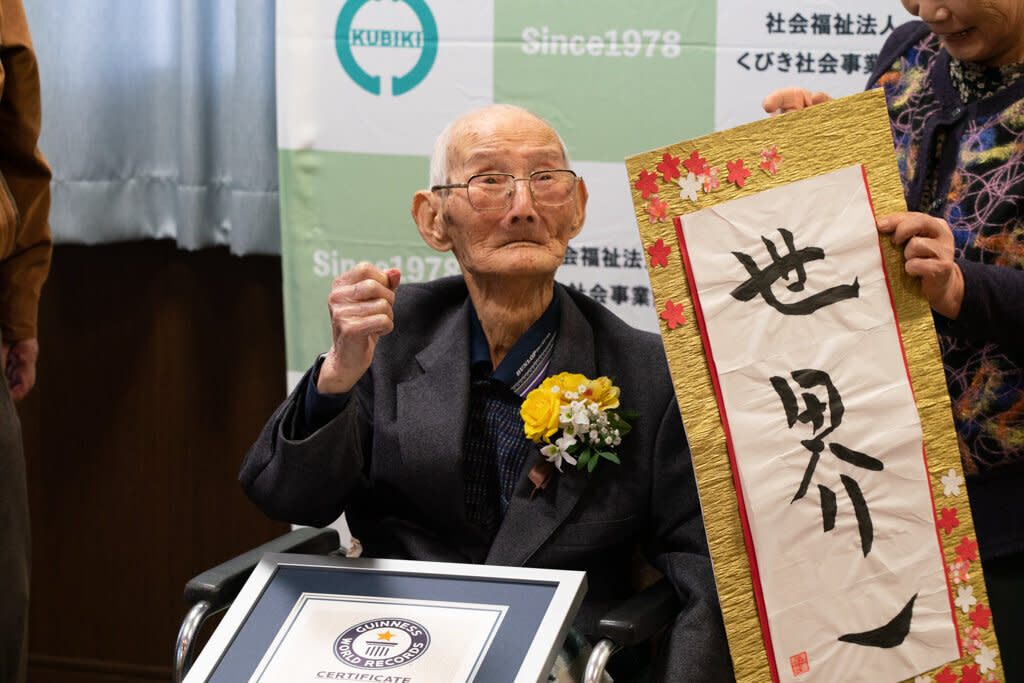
[639, 617]
[220, 585]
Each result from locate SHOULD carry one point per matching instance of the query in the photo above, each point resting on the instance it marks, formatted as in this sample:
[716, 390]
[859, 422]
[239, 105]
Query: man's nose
[522, 199]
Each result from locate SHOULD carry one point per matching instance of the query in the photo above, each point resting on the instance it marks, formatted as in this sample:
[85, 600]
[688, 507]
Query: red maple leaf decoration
[669, 167]
[659, 252]
[656, 209]
[737, 174]
[970, 674]
[696, 164]
[980, 616]
[946, 676]
[948, 520]
[647, 184]
[770, 160]
[673, 314]
[967, 549]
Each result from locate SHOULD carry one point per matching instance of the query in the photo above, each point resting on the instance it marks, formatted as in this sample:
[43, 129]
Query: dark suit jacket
[393, 462]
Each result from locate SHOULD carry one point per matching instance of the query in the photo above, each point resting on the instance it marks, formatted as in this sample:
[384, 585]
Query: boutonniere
[577, 419]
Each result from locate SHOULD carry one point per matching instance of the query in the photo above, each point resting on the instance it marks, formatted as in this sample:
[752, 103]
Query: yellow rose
[569, 381]
[540, 412]
[604, 393]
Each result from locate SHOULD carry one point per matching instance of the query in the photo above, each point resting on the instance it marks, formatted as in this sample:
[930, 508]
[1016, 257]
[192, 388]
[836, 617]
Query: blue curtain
[159, 120]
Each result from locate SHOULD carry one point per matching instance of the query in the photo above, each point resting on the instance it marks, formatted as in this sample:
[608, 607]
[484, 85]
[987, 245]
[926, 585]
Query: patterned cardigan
[977, 185]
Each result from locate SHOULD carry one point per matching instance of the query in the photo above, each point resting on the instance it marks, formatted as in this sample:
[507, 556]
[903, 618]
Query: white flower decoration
[689, 187]
[985, 659]
[965, 598]
[558, 451]
[952, 482]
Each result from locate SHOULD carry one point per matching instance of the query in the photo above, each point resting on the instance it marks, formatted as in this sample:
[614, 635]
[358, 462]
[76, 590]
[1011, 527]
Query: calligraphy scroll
[810, 384]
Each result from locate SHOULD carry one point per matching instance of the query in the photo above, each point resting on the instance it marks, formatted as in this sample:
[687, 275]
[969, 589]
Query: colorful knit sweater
[976, 184]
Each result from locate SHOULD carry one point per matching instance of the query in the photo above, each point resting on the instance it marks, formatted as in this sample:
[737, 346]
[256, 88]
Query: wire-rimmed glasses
[494, 191]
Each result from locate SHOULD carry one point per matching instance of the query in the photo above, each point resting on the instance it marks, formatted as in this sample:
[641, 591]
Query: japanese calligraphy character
[804, 63]
[590, 257]
[867, 25]
[888, 27]
[641, 296]
[798, 23]
[814, 414]
[761, 280]
[570, 257]
[763, 61]
[598, 294]
[821, 24]
[775, 23]
[632, 258]
[843, 25]
[851, 63]
[610, 258]
[827, 64]
[620, 294]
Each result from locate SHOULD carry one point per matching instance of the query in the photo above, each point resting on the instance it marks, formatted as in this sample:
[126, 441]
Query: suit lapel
[431, 410]
[529, 523]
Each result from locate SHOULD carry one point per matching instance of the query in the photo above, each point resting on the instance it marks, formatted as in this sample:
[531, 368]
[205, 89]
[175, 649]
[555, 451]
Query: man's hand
[929, 249]
[19, 362]
[361, 306]
[792, 99]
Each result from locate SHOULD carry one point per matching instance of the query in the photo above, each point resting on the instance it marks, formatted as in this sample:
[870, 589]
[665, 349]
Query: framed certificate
[313, 618]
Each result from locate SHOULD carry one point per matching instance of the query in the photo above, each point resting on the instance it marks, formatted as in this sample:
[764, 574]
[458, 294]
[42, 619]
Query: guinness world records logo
[346, 36]
[382, 643]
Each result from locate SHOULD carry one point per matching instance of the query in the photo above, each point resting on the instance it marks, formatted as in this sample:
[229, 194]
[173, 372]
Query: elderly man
[410, 423]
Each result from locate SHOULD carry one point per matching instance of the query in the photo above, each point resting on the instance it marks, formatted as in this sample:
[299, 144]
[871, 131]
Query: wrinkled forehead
[501, 139]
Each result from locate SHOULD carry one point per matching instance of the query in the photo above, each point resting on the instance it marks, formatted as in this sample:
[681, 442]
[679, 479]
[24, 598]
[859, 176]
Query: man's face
[525, 239]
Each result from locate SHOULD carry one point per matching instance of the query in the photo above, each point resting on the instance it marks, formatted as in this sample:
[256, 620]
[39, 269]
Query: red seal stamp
[799, 664]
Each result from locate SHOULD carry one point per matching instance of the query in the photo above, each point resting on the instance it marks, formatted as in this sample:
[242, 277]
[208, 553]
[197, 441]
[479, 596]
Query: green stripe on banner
[338, 209]
[616, 78]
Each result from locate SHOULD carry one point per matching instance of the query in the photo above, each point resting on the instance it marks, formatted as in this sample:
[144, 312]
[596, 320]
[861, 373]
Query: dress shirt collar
[523, 368]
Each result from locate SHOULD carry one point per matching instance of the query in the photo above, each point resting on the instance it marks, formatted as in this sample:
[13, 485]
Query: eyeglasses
[494, 191]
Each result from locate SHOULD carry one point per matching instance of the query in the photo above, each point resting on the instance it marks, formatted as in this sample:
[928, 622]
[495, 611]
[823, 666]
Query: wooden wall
[158, 368]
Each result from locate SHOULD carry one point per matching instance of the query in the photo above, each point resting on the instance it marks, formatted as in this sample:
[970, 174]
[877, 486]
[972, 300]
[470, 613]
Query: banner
[364, 87]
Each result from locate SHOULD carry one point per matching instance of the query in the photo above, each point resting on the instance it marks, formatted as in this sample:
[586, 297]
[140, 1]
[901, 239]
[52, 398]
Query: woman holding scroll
[954, 84]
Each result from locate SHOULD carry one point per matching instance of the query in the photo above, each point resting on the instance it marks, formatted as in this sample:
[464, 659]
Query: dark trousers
[1004, 580]
[15, 547]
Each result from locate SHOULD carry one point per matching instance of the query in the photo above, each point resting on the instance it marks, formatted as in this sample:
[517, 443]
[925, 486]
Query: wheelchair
[631, 622]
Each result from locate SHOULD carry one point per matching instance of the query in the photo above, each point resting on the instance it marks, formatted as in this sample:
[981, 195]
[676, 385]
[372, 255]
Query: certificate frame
[538, 607]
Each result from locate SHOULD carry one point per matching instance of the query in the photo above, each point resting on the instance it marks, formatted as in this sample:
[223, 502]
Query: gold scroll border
[817, 140]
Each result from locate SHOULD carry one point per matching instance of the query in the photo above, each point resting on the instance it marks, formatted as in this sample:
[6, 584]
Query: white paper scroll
[824, 431]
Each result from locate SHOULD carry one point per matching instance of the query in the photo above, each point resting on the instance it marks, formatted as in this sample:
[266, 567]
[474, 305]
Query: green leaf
[592, 464]
[584, 459]
[607, 455]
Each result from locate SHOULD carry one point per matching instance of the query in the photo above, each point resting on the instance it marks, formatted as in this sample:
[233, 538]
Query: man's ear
[426, 211]
[581, 208]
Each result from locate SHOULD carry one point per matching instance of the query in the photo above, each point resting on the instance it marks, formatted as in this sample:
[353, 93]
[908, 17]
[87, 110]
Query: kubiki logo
[383, 27]
[382, 643]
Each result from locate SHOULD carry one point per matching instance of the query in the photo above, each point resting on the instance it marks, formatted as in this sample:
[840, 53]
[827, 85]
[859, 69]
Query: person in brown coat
[25, 248]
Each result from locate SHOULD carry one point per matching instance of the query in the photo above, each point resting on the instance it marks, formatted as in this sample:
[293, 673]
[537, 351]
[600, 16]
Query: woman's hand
[791, 99]
[928, 248]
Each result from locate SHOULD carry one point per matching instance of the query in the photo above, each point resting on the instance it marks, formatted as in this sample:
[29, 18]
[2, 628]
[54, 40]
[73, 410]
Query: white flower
[985, 659]
[965, 598]
[952, 482]
[558, 451]
[689, 186]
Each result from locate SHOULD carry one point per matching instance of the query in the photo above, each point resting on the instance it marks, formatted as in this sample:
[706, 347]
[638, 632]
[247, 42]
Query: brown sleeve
[25, 242]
